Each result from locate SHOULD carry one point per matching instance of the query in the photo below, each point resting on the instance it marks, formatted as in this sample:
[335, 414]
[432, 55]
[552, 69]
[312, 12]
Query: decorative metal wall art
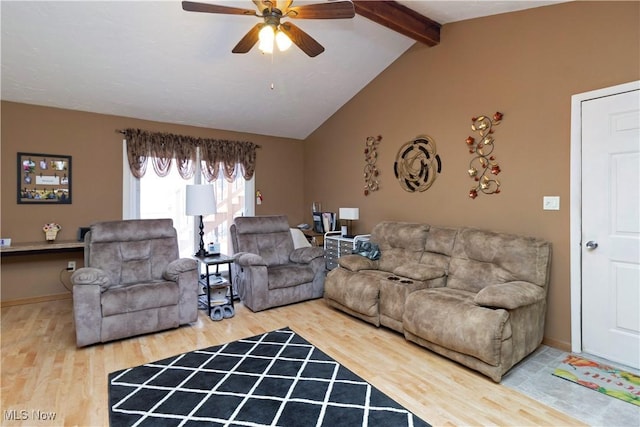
[417, 164]
[484, 164]
[370, 169]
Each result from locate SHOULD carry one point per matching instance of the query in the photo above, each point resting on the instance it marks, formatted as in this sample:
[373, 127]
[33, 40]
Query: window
[156, 197]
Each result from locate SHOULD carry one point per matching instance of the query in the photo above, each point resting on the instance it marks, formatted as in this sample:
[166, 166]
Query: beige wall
[526, 65]
[96, 150]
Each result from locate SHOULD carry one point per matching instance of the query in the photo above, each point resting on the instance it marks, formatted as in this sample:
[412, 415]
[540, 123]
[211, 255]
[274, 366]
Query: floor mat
[600, 377]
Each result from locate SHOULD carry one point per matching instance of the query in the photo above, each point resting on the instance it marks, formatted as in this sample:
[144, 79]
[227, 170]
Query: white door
[610, 241]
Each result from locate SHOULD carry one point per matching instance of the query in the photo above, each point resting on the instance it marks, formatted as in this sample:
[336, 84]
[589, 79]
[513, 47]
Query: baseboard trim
[35, 300]
[560, 345]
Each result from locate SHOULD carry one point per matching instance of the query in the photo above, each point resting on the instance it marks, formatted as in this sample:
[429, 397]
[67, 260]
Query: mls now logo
[23, 415]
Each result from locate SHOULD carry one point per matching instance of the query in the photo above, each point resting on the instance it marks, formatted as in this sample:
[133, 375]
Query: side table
[217, 260]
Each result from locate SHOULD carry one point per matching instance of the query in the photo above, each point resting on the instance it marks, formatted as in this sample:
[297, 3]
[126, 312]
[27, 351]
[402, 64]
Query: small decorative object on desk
[51, 231]
[214, 248]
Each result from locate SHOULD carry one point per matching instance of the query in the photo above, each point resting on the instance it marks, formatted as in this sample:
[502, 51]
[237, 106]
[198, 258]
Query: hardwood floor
[44, 374]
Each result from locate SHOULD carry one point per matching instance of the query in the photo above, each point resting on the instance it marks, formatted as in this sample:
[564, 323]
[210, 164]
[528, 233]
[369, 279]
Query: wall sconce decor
[417, 164]
[484, 163]
[370, 169]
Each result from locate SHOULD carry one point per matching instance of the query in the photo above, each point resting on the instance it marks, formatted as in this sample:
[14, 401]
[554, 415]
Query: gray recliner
[269, 272]
[133, 282]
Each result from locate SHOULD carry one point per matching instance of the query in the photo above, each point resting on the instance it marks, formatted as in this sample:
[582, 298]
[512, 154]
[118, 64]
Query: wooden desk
[29, 248]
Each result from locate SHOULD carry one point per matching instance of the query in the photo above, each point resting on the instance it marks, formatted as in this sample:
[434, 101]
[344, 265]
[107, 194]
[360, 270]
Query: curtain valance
[232, 156]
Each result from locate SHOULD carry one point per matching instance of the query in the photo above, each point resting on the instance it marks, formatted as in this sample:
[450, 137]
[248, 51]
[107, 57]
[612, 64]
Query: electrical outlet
[71, 266]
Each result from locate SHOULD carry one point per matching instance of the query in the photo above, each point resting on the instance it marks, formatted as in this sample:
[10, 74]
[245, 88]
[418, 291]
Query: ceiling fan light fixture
[266, 37]
[283, 41]
[271, 31]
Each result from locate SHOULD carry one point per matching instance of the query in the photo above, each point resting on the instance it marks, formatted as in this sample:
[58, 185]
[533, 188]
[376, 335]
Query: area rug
[602, 378]
[273, 379]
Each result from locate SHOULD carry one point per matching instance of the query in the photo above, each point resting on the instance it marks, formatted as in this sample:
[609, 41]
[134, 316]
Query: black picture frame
[44, 179]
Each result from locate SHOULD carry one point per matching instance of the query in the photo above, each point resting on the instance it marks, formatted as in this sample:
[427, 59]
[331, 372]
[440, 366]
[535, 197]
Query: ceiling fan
[283, 33]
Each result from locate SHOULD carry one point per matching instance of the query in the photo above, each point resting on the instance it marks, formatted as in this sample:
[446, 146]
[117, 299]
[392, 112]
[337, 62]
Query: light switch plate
[551, 203]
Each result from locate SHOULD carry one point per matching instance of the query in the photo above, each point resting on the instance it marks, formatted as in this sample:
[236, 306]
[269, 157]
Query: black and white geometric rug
[273, 379]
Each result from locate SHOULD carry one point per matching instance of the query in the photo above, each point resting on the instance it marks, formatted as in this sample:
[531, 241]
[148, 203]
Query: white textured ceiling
[152, 60]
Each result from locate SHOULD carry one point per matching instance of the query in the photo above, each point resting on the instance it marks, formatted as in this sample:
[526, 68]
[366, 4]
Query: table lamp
[201, 200]
[348, 214]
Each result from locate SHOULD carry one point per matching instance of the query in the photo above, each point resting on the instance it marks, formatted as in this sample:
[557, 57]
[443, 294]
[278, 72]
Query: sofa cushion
[267, 236]
[285, 276]
[274, 248]
[417, 271]
[451, 319]
[394, 291]
[481, 258]
[357, 263]
[358, 291]
[141, 296]
[132, 251]
[440, 240]
[471, 275]
[399, 242]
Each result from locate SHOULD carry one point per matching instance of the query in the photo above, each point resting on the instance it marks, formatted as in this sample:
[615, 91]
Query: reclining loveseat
[477, 297]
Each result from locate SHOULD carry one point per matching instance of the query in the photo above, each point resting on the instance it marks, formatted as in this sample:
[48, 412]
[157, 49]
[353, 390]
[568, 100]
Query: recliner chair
[133, 282]
[269, 272]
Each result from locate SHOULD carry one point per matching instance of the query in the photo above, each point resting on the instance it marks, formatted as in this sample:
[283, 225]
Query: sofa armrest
[91, 276]
[246, 259]
[177, 267]
[356, 262]
[87, 314]
[510, 295]
[306, 255]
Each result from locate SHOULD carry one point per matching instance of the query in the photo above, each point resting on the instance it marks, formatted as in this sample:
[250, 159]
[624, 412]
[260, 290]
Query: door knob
[591, 245]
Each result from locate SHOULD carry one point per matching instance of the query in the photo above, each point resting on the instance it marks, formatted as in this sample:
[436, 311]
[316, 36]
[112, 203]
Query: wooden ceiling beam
[401, 19]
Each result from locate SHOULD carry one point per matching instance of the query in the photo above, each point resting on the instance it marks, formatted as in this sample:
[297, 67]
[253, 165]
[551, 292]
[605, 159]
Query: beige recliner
[269, 271]
[133, 282]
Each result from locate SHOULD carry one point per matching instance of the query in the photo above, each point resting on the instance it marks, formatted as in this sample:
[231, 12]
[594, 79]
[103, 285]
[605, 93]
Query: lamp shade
[201, 200]
[349, 213]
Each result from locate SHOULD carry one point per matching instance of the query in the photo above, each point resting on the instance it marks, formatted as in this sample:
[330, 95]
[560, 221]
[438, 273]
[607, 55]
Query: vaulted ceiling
[152, 60]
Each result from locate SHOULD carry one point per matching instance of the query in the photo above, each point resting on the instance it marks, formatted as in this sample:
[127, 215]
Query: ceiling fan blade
[249, 40]
[303, 40]
[283, 5]
[261, 5]
[331, 10]
[190, 6]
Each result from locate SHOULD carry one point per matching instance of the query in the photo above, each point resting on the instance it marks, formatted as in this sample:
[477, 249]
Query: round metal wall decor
[417, 164]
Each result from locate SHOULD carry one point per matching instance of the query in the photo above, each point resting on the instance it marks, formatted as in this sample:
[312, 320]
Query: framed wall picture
[44, 178]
